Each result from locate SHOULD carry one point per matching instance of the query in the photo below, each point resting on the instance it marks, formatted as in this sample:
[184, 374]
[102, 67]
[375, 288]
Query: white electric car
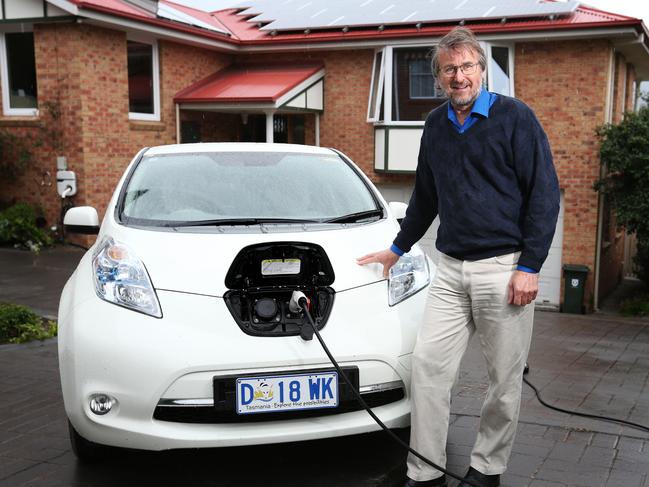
[175, 329]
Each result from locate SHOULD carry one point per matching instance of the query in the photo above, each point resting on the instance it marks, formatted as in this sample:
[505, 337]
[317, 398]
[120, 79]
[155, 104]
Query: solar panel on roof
[283, 15]
[168, 12]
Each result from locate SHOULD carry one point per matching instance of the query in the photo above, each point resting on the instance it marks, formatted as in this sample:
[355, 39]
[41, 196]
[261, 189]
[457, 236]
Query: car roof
[236, 147]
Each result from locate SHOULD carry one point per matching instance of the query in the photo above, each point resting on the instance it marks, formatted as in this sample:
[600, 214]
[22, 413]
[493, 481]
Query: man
[485, 167]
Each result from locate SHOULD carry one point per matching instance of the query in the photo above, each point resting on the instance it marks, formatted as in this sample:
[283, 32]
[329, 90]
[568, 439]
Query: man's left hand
[523, 287]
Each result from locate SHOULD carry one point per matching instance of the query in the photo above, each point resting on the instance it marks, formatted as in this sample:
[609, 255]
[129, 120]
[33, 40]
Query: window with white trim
[18, 71]
[403, 89]
[143, 80]
[500, 69]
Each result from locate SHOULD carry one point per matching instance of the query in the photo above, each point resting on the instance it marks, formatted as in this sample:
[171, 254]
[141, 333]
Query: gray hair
[459, 37]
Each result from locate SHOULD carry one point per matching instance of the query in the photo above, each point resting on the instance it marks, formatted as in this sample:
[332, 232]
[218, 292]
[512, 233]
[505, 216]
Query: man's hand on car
[385, 257]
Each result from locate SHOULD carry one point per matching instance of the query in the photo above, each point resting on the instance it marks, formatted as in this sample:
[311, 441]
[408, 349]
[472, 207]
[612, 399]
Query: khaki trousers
[467, 297]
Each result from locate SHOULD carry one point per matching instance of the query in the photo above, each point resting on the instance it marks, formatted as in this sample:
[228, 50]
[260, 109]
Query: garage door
[549, 294]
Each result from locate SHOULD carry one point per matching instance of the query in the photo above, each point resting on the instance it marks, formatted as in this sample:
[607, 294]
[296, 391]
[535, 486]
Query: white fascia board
[69, 7]
[111, 21]
[547, 35]
[307, 83]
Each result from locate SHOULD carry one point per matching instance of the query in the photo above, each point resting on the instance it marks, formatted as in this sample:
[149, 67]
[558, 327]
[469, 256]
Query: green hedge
[18, 324]
[18, 228]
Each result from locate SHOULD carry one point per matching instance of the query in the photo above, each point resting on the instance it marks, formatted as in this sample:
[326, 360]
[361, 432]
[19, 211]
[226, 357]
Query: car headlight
[409, 275]
[120, 278]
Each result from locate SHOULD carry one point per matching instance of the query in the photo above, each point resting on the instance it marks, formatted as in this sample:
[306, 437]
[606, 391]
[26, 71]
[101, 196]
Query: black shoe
[480, 479]
[438, 482]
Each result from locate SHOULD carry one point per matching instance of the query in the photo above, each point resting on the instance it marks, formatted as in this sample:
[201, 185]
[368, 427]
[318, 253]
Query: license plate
[276, 393]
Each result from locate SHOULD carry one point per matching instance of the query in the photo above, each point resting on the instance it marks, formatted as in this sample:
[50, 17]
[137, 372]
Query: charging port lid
[280, 264]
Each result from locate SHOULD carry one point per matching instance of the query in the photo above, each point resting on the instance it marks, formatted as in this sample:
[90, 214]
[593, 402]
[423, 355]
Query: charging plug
[526, 368]
[294, 304]
[297, 303]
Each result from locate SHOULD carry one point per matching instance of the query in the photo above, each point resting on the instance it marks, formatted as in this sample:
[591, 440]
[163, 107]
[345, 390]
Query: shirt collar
[480, 106]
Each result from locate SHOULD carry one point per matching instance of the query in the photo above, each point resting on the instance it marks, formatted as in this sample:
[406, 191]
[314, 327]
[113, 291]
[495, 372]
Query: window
[143, 80]
[403, 89]
[415, 91]
[422, 81]
[19, 92]
[376, 89]
[499, 70]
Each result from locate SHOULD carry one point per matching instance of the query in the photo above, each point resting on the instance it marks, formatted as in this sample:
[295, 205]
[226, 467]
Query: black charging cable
[302, 302]
[578, 413]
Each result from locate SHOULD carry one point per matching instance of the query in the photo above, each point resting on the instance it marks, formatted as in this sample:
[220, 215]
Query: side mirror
[82, 219]
[398, 210]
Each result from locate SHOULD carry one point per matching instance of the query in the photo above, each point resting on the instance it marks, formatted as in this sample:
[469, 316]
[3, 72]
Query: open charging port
[262, 279]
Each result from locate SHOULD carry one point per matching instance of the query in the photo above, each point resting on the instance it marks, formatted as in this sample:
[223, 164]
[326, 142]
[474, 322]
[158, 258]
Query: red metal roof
[247, 83]
[584, 17]
[245, 32]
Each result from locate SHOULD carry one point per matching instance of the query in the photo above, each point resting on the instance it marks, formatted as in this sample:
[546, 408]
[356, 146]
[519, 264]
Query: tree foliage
[625, 153]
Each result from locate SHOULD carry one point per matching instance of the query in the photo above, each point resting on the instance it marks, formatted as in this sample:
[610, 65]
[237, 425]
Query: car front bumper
[140, 361]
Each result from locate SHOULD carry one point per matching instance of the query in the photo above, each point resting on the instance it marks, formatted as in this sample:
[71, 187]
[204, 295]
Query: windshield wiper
[356, 217]
[235, 221]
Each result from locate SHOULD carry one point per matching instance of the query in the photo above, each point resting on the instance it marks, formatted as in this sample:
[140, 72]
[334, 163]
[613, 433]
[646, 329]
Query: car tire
[86, 451]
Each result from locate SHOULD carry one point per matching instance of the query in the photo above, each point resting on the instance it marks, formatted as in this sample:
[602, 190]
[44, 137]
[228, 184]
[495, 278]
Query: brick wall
[569, 100]
[82, 70]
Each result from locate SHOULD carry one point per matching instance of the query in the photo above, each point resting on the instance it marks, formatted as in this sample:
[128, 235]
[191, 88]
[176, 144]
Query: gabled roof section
[272, 84]
[162, 13]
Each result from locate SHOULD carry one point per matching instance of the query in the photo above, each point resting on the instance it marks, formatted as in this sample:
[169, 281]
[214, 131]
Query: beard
[462, 101]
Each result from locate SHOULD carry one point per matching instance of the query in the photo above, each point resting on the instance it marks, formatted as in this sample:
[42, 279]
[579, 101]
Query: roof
[240, 27]
[244, 29]
[249, 84]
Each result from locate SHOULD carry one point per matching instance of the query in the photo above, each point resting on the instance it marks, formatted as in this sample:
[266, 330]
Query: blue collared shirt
[479, 110]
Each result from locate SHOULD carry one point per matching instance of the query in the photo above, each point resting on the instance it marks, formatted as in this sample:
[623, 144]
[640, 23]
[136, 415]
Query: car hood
[198, 262]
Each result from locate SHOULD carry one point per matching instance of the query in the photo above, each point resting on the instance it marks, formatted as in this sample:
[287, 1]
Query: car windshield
[222, 188]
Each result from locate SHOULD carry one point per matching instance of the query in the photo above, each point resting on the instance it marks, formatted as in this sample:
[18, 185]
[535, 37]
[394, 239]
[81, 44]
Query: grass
[18, 324]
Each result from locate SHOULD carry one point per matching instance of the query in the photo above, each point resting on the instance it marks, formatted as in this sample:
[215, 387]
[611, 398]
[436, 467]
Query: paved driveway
[597, 363]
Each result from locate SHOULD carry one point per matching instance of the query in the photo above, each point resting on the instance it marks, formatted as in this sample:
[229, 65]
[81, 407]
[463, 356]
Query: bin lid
[576, 267]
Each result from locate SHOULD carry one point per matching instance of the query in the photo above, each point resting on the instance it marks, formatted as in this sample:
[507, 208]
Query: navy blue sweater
[494, 186]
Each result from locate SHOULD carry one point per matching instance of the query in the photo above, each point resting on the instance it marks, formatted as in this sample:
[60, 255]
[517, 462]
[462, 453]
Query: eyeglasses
[466, 68]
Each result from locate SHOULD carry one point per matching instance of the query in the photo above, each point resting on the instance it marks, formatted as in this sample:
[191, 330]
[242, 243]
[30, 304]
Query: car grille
[223, 410]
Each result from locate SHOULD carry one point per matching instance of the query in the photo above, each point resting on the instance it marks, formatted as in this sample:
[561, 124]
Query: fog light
[101, 404]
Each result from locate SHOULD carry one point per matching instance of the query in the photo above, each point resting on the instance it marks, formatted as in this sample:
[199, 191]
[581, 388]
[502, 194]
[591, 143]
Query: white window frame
[510, 47]
[374, 112]
[4, 77]
[155, 66]
[384, 94]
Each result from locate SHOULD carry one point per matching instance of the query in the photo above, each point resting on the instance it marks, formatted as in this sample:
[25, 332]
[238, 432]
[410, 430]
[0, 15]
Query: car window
[238, 185]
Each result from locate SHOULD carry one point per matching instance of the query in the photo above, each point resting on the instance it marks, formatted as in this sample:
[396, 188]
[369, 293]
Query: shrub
[18, 324]
[18, 227]
[15, 155]
[636, 306]
[625, 152]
